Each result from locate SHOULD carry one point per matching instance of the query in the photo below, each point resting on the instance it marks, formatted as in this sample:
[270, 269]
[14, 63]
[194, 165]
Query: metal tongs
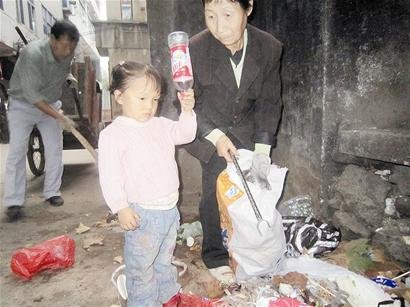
[250, 197]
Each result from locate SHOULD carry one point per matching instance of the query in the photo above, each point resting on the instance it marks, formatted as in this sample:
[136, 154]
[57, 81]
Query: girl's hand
[225, 148]
[187, 100]
[128, 219]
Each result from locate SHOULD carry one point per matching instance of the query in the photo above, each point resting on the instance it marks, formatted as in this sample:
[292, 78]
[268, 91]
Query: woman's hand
[128, 219]
[187, 100]
[225, 148]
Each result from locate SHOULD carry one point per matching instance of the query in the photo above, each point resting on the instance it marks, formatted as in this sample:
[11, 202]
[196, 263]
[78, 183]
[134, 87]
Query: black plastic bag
[307, 235]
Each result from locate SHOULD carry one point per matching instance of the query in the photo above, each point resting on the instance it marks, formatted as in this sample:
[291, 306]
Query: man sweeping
[35, 90]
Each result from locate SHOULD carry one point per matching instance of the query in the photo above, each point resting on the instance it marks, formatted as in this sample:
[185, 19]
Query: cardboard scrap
[295, 279]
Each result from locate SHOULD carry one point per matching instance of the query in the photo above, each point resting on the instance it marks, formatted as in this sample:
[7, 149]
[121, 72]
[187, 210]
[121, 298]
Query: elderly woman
[237, 87]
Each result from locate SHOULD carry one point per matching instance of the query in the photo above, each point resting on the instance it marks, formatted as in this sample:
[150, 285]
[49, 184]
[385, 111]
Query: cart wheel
[35, 153]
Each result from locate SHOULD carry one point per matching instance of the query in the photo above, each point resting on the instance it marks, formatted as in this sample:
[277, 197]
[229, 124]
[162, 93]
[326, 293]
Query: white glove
[66, 123]
[260, 170]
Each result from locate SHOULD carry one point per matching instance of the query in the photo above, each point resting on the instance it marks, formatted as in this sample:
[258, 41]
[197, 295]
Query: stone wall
[346, 118]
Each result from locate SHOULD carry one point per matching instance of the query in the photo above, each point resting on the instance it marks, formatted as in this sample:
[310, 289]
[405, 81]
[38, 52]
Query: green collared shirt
[37, 75]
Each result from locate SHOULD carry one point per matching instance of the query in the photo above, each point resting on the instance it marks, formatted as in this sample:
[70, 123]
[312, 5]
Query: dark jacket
[251, 113]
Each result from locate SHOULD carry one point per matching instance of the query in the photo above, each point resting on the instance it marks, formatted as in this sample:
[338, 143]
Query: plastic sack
[307, 235]
[56, 253]
[252, 253]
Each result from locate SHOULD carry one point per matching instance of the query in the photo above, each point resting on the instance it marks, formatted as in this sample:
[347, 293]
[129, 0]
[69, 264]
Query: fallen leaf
[118, 259]
[81, 229]
[94, 239]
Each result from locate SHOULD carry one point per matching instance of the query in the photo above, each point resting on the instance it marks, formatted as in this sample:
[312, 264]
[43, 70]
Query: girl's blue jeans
[151, 279]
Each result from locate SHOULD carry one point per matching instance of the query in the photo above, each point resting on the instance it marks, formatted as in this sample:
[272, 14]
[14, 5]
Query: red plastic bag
[287, 302]
[55, 253]
[189, 300]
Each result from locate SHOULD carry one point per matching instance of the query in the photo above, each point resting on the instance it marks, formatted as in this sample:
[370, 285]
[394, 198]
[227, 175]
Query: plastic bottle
[180, 60]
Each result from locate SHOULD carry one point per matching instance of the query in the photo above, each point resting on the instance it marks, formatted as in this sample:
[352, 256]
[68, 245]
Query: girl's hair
[125, 71]
[245, 4]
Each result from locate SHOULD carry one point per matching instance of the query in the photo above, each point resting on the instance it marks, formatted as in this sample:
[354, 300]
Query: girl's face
[226, 20]
[140, 99]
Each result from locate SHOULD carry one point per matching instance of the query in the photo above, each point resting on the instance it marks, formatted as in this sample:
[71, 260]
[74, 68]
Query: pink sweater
[136, 161]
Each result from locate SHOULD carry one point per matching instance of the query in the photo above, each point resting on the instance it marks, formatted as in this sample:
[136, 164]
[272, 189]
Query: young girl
[139, 179]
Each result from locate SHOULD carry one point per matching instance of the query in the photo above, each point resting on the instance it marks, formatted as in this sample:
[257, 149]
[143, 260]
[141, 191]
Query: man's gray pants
[22, 116]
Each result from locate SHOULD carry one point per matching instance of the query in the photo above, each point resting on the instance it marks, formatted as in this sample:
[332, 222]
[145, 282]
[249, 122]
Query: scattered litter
[56, 253]
[384, 174]
[118, 259]
[93, 239]
[294, 278]
[82, 228]
[118, 280]
[188, 230]
[297, 206]
[110, 217]
[202, 283]
[385, 282]
[360, 293]
[287, 290]
[190, 241]
[251, 291]
[326, 292]
[196, 247]
[109, 220]
[180, 264]
[38, 299]
[401, 292]
[390, 208]
[402, 275]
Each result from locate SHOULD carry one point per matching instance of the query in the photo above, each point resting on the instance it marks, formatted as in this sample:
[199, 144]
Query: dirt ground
[87, 283]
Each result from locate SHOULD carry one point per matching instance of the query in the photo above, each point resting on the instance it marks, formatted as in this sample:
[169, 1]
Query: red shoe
[173, 301]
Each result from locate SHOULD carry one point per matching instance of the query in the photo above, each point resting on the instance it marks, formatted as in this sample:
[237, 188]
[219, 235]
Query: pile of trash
[307, 281]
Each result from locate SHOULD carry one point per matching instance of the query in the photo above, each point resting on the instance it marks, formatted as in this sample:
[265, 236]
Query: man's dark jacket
[250, 113]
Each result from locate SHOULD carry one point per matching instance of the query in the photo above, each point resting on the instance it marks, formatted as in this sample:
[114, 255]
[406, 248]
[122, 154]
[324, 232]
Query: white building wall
[8, 20]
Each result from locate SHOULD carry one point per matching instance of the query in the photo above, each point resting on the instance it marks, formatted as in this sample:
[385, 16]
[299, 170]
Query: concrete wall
[165, 17]
[122, 41]
[301, 27]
